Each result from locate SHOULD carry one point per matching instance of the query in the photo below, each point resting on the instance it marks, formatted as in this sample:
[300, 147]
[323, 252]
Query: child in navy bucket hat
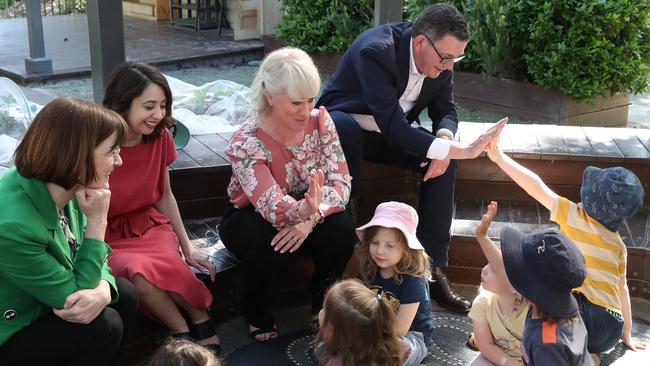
[609, 196]
[545, 267]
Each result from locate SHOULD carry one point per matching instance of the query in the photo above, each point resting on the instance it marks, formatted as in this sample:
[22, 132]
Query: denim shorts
[604, 327]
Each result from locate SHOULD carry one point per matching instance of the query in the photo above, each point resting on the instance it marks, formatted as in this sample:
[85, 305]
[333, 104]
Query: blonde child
[181, 352]
[357, 327]
[498, 312]
[394, 263]
[608, 197]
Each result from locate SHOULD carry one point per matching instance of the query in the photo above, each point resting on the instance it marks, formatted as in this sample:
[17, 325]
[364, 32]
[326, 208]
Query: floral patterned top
[273, 177]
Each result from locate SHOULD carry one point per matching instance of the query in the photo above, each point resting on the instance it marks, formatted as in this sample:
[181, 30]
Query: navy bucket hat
[610, 195]
[544, 267]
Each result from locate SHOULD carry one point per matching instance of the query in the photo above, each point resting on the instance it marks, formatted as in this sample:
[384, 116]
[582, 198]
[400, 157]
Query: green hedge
[585, 48]
[324, 25]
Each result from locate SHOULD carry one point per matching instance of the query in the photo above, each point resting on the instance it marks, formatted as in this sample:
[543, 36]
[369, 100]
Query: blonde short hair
[285, 70]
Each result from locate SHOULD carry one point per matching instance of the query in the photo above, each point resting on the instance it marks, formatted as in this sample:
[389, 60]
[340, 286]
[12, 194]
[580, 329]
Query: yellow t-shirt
[507, 329]
[604, 252]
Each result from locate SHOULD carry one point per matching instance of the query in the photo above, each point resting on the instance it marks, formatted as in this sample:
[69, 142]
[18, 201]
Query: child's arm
[526, 179]
[492, 253]
[405, 316]
[632, 343]
[489, 350]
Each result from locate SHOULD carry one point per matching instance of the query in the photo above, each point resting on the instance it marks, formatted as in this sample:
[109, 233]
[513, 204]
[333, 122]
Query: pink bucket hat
[398, 216]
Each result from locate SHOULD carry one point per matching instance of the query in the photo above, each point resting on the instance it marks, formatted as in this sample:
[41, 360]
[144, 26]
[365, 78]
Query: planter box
[533, 102]
[326, 62]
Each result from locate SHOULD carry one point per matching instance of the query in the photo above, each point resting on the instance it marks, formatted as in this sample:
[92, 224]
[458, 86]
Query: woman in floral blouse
[289, 187]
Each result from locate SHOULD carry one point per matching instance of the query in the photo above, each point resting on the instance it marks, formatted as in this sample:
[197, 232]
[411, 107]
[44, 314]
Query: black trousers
[247, 235]
[54, 341]
[436, 201]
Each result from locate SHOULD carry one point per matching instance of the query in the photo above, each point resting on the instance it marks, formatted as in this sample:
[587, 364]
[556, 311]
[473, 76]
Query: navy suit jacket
[371, 77]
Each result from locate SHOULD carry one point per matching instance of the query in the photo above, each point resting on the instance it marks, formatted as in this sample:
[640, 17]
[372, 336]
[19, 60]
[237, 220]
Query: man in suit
[386, 78]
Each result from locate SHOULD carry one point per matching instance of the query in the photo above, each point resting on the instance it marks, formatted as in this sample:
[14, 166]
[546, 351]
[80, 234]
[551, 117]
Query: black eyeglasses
[444, 60]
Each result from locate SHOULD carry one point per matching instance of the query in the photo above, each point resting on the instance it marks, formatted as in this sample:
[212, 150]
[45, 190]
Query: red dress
[143, 239]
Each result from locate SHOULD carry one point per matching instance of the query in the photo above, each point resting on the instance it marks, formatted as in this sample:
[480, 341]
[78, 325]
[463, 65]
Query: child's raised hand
[494, 150]
[486, 219]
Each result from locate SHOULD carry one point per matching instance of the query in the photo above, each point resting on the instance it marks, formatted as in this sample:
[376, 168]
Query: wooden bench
[558, 154]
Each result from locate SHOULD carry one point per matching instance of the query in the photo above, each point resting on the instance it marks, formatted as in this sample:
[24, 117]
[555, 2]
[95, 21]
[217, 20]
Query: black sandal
[206, 330]
[256, 332]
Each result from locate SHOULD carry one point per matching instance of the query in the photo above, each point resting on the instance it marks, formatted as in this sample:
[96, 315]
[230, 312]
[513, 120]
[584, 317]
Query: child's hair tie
[378, 297]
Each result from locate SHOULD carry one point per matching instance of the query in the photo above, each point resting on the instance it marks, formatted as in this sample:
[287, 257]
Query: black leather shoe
[442, 293]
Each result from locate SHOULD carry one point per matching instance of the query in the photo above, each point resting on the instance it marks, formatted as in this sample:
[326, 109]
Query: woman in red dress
[145, 229]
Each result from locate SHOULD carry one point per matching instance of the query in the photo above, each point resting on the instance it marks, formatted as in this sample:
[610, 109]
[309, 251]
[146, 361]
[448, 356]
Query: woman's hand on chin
[94, 203]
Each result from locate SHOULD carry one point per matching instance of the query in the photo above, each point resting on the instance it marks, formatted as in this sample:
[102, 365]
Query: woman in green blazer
[59, 301]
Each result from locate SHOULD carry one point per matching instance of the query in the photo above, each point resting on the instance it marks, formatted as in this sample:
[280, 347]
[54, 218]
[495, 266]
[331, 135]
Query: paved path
[639, 114]
[66, 43]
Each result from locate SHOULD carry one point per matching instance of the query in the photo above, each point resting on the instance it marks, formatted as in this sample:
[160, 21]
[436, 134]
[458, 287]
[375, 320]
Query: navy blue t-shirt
[411, 290]
[562, 343]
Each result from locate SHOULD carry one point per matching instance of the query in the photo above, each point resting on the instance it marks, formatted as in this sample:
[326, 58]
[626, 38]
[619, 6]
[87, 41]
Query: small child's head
[611, 195]
[180, 352]
[544, 267]
[359, 326]
[389, 241]
[494, 283]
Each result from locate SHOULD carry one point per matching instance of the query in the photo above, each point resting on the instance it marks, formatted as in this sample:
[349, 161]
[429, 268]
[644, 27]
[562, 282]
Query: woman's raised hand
[314, 194]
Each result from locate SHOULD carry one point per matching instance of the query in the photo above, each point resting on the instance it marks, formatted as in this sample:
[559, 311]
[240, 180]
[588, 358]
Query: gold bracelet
[315, 217]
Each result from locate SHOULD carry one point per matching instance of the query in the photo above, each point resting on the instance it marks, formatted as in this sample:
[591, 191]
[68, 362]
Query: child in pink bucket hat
[394, 263]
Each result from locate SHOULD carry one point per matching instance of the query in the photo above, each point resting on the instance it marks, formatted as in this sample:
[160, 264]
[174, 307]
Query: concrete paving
[66, 43]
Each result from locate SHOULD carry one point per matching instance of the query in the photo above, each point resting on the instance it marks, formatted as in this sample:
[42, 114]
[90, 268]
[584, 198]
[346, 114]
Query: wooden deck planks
[630, 145]
[215, 143]
[524, 142]
[550, 142]
[546, 142]
[576, 142]
[605, 149]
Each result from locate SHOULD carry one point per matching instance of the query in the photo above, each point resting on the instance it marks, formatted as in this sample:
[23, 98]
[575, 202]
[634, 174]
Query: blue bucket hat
[610, 195]
[544, 267]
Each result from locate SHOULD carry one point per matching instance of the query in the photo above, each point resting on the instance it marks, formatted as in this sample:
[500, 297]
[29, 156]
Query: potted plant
[561, 61]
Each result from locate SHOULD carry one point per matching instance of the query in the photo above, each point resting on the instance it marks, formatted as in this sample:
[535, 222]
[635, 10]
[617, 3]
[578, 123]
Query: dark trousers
[53, 341]
[247, 235]
[436, 201]
[604, 327]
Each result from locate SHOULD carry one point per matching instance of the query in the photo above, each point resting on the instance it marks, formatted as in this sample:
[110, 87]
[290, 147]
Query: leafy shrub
[324, 25]
[587, 48]
[412, 8]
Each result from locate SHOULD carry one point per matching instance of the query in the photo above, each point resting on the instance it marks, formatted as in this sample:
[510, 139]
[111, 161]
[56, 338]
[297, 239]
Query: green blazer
[37, 272]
